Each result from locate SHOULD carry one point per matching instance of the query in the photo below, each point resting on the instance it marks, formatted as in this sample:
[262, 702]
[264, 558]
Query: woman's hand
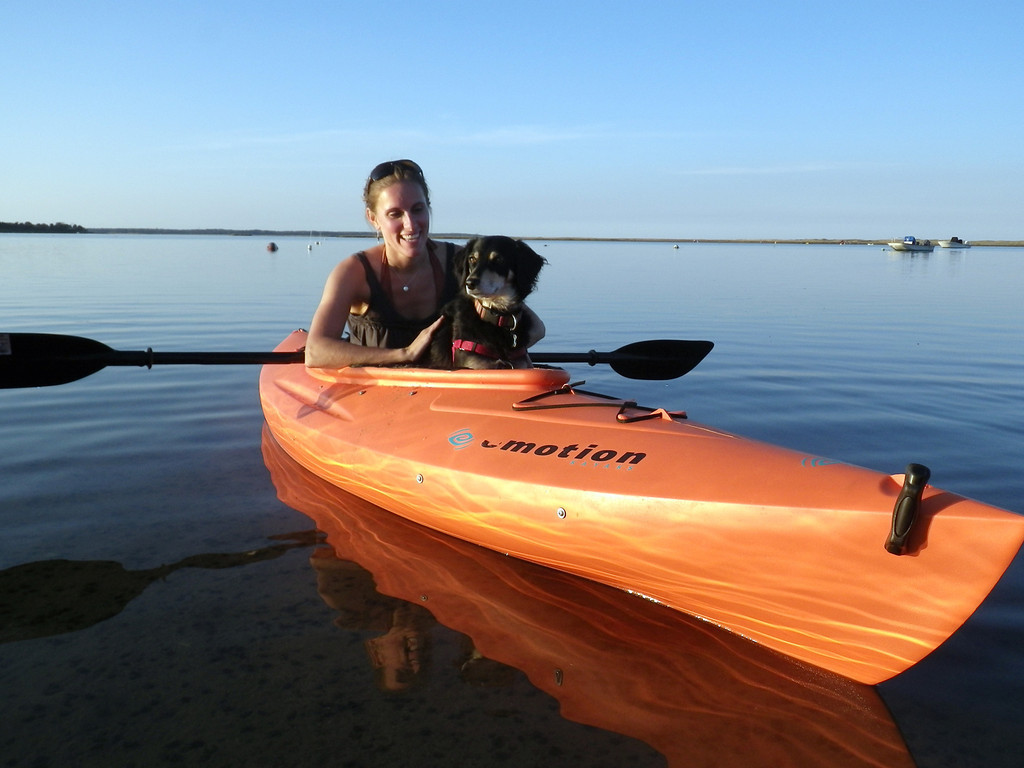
[421, 343]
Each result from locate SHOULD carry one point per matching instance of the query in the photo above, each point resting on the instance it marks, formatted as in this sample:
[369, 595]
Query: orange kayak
[783, 548]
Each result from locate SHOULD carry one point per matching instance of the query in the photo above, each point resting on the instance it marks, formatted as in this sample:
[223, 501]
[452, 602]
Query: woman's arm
[536, 325]
[345, 291]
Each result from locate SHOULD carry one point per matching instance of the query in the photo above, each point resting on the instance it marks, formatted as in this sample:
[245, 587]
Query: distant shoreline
[467, 235]
[268, 233]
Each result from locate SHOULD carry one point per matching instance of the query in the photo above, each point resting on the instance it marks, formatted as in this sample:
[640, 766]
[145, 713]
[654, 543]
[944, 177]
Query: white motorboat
[911, 243]
[954, 242]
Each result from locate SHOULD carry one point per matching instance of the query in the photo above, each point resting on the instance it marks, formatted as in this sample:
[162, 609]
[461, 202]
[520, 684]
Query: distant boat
[954, 242]
[911, 243]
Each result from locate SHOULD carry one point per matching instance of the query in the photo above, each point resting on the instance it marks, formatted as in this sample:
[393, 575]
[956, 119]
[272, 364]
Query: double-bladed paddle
[45, 359]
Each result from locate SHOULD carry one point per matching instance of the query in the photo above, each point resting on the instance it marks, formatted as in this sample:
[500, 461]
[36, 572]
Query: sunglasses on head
[384, 170]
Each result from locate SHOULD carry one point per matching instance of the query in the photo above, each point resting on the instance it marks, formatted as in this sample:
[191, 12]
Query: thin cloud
[518, 135]
[523, 134]
[229, 142]
[778, 170]
[504, 136]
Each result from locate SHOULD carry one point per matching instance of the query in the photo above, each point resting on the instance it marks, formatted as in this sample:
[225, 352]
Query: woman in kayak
[390, 295]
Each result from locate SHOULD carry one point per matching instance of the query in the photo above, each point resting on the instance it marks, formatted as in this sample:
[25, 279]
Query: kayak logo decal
[460, 439]
[583, 456]
[590, 456]
[817, 461]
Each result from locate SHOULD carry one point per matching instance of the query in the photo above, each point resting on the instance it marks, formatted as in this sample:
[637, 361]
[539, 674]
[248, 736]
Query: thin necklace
[386, 269]
[435, 266]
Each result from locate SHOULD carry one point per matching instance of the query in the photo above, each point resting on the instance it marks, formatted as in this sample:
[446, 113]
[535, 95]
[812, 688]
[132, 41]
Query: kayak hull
[783, 548]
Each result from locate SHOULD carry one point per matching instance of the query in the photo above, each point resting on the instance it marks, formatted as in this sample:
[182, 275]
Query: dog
[484, 325]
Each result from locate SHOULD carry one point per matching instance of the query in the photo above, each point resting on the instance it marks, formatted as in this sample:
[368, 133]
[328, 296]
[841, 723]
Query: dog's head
[498, 271]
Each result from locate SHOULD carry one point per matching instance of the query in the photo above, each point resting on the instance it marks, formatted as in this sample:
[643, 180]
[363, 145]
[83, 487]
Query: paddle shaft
[590, 358]
[149, 358]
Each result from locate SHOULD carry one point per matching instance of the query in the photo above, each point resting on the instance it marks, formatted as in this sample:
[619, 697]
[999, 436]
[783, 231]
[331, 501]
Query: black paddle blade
[45, 359]
[658, 359]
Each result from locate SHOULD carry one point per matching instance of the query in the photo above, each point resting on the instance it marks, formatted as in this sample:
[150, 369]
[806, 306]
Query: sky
[559, 118]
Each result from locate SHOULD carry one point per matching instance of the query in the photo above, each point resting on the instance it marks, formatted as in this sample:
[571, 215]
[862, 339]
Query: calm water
[254, 646]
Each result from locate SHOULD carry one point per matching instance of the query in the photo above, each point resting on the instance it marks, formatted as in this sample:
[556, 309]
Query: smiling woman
[387, 325]
[389, 296]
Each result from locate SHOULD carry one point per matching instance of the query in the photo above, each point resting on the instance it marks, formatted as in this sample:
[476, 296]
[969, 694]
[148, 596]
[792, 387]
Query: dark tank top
[381, 325]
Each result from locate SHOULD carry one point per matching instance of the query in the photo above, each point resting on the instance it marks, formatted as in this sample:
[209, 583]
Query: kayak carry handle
[904, 512]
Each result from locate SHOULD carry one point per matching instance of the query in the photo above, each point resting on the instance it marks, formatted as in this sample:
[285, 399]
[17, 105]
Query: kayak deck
[780, 547]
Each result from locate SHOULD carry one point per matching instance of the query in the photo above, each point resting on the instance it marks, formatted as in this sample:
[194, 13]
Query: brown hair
[391, 172]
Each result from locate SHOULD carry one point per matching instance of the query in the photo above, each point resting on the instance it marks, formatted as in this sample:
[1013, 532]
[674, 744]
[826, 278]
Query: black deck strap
[534, 403]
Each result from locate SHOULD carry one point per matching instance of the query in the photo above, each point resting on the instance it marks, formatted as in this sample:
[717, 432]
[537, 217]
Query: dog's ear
[528, 266]
[461, 262]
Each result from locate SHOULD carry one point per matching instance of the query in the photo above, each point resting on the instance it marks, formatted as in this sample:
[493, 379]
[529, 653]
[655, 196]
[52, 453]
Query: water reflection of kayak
[697, 694]
[786, 549]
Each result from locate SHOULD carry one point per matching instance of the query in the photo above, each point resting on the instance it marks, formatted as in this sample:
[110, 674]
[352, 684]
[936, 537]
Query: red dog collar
[482, 349]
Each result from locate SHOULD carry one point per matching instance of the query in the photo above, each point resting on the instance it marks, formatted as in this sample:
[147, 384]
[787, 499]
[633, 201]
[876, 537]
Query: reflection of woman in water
[401, 655]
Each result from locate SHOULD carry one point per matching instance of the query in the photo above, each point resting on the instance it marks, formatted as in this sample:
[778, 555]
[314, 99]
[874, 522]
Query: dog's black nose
[472, 282]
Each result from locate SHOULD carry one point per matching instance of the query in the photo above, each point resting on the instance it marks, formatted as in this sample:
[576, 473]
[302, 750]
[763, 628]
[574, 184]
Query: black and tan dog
[485, 326]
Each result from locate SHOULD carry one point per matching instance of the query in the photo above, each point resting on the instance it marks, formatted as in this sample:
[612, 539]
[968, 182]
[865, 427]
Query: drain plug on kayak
[561, 513]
